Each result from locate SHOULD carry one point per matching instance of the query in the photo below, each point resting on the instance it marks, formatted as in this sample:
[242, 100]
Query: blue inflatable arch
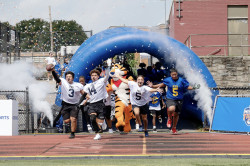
[117, 41]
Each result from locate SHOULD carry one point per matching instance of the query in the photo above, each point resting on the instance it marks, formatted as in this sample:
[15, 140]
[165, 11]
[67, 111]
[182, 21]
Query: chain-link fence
[9, 44]
[233, 90]
[30, 121]
[24, 115]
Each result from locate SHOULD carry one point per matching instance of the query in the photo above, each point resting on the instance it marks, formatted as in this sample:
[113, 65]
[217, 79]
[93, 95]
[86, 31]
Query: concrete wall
[229, 71]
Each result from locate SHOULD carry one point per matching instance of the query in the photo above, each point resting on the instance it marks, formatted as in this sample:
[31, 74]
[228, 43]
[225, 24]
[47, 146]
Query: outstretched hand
[150, 84]
[159, 90]
[196, 86]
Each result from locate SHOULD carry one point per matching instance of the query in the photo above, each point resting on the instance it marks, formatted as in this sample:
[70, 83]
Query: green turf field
[134, 162]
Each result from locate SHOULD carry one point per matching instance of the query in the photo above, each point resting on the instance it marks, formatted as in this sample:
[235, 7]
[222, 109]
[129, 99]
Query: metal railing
[223, 47]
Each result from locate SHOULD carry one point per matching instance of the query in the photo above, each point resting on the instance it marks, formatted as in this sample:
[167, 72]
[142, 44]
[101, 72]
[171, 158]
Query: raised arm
[106, 78]
[195, 86]
[58, 80]
[161, 85]
[122, 79]
[158, 89]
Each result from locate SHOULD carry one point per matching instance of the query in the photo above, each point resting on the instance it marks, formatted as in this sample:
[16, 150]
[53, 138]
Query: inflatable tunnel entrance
[170, 52]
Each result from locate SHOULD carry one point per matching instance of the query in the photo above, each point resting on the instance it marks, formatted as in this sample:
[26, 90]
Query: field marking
[134, 155]
[144, 146]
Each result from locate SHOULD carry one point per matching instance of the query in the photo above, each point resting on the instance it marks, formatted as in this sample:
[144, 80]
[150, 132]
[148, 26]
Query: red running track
[133, 144]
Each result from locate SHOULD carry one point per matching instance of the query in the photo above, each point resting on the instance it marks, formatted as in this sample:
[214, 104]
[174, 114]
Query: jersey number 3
[71, 92]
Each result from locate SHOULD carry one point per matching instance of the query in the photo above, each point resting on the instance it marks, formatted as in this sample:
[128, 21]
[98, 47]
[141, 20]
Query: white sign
[8, 118]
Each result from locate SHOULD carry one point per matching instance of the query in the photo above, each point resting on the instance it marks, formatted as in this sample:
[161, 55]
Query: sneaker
[123, 133]
[111, 131]
[140, 129]
[154, 130]
[174, 131]
[89, 128]
[72, 136]
[104, 125]
[146, 133]
[97, 137]
[169, 123]
[160, 120]
[137, 127]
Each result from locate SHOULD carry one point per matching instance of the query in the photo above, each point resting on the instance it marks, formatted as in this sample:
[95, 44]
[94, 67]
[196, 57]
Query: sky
[96, 15]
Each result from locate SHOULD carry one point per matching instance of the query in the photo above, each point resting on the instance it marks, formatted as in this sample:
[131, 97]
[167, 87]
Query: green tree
[67, 33]
[133, 63]
[35, 34]
[7, 24]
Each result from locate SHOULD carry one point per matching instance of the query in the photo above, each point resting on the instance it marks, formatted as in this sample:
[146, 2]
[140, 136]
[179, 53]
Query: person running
[70, 94]
[109, 105]
[97, 92]
[176, 86]
[84, 107]
[155, 108]
[139, 97]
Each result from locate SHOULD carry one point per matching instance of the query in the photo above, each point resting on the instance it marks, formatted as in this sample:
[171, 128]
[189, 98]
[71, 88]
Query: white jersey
[96, 90]
[110, 100]
[70, 93]
[50, 60]
[139, 96]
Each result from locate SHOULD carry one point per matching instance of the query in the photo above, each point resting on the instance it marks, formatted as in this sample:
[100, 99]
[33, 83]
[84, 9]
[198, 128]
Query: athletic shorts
[177, 103]
[107, 111]
[85, 108]
[154, 112]
[98, 108]
[143, 109]
[69, 110]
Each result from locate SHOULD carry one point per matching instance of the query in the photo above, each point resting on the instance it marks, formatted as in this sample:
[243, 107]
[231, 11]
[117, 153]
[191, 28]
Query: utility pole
[51, 32]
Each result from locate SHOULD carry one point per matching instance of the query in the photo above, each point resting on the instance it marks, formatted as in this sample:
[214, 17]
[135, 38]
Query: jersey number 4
[92, 91]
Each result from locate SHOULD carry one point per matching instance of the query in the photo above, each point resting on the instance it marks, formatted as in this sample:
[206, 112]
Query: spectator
[158, 72]
[50, 60]
[142, 71]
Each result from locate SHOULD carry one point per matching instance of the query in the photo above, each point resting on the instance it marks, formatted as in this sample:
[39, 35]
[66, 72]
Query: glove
[105, 65]
[196, 86]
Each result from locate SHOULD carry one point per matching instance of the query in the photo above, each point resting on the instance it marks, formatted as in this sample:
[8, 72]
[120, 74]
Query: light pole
[51, 33]
[165, 13]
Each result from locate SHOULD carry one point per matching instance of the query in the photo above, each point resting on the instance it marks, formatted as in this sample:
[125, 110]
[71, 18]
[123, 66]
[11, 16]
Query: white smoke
[203, 96]
[20, 75]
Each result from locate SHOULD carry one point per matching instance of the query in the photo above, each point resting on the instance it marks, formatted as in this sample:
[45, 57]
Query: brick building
[218, 26]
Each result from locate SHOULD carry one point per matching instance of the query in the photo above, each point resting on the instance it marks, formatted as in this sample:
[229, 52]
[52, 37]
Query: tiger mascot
[123, 108]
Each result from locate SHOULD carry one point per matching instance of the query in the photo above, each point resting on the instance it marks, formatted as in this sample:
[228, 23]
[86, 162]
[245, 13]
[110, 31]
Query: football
[50, 67]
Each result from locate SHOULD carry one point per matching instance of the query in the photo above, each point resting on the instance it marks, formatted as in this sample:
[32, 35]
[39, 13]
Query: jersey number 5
[175, 91]
[138, 96]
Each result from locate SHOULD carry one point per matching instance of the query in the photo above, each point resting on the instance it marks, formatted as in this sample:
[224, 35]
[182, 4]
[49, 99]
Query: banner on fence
[8, 118]
[231, 114]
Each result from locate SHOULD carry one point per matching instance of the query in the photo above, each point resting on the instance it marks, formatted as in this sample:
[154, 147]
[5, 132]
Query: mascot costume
[123, 108]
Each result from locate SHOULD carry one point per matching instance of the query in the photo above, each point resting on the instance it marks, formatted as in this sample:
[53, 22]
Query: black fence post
[27, 109]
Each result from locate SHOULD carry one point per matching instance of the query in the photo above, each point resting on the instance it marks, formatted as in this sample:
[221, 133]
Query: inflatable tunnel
[168, 51]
